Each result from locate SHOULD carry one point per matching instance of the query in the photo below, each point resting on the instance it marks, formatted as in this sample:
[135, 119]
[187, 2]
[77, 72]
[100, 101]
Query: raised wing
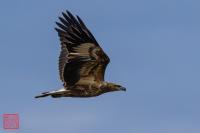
[81, 56]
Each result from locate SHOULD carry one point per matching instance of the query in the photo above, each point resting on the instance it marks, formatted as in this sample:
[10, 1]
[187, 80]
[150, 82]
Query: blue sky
[154, 51]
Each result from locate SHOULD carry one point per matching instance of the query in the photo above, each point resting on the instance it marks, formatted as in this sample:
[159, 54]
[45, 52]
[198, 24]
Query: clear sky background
[154, 47]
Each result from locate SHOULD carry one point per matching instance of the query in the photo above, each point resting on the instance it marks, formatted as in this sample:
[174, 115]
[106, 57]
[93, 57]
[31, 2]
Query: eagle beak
[122, 89]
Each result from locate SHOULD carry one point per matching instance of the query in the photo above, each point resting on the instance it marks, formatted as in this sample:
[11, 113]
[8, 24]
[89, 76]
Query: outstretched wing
[81, 56]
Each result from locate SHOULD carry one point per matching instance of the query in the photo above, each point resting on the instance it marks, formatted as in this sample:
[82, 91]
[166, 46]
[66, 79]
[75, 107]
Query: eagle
[82, 62]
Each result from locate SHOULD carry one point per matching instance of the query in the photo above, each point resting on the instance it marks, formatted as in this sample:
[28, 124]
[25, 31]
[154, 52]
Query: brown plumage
[82, 62]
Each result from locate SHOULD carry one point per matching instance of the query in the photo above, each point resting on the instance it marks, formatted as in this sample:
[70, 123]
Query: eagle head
[119, 87]
[113, 87]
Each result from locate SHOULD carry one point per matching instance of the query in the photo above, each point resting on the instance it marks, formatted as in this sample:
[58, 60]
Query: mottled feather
[81, 56]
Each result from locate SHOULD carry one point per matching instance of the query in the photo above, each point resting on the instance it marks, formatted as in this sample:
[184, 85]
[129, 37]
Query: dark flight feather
[81, 56]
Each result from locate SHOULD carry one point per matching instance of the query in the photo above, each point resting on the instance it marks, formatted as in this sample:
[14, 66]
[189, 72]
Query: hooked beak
[122, 89]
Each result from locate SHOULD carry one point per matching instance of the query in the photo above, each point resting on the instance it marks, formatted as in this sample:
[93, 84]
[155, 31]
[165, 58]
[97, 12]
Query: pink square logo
[10, 121]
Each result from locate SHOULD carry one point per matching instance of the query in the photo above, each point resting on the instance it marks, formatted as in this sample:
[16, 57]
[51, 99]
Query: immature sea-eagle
[82, 62]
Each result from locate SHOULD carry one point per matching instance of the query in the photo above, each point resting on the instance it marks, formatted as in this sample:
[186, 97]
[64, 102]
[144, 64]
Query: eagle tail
[44, 94]
[54, 94]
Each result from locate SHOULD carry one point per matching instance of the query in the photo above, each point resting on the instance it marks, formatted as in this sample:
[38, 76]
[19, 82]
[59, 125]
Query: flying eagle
[82, 62]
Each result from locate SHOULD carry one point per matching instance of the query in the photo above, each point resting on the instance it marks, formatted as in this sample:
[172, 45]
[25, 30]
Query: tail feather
[57, 93]
[44, 94]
